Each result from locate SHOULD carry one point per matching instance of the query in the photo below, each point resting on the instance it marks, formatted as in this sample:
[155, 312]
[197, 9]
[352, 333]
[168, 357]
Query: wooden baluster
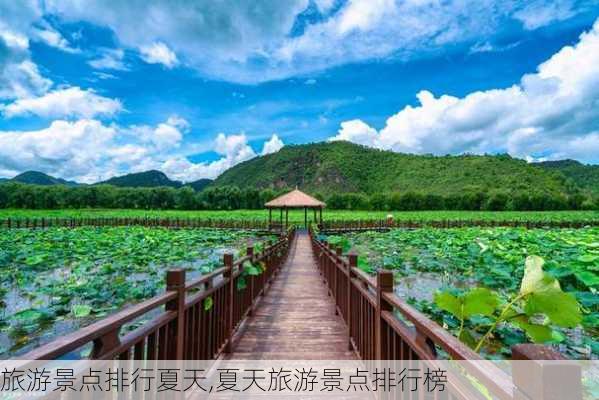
[175, 281]
[547, 375]
[250, 253]
[230, 296]
[338, 252]
[324, 260]
[384, 284]
[353, 263]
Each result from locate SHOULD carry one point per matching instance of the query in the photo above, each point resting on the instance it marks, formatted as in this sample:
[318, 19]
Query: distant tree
[496, 202]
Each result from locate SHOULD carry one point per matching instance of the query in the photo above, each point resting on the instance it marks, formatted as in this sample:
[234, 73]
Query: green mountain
[151, 178]
[200, 184]
[584, 176]
[39, 178]
[336, 167]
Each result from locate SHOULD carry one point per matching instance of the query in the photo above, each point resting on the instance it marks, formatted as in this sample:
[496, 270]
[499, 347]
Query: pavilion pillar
[286, 218]
[315, 219]
[306, 217]
[269, 218]
[281, 219]
[320, 215]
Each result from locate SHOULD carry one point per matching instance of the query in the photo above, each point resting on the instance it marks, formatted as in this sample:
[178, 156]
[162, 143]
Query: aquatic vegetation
[442, 270]
[55, 280]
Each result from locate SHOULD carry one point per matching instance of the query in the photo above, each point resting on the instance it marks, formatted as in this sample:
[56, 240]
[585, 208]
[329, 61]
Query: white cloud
[357, 131]
[66, 149]
[251, 42]
[159, 53]
[273, 145]
[19, 76]
[69, 102]
[552, 113]
[54, 39]
[109, 59]
[163, 137]
[89, 151]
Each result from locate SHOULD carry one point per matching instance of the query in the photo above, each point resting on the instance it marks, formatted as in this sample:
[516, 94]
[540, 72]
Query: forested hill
[39, 178]
[335, 167]
[142, 179]
[584, 176]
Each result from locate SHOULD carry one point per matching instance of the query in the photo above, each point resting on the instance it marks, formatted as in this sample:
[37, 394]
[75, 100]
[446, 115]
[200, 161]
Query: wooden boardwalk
[296, 319]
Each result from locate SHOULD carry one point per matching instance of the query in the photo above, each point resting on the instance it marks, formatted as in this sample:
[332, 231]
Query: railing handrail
[115, 322]
[421, 337]
[95, 330]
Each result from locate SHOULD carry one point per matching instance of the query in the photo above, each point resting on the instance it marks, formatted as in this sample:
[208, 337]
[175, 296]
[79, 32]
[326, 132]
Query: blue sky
[94, 89]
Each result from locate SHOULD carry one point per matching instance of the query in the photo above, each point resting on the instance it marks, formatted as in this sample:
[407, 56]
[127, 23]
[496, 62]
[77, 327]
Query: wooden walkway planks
[296, 319]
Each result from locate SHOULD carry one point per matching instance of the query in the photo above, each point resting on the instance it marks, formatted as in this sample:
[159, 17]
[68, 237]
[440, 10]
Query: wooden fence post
[175, 281]
[547, 375]
[228, 274]
[384, 284]
[352, 263]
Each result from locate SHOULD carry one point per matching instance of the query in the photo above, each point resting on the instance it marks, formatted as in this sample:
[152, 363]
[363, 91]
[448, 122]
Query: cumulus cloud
[251, 42]
[552, 113]
[159, 53]
[89, 150]
[357, 131]
[273, 145]
[69, 102]
[19, 76]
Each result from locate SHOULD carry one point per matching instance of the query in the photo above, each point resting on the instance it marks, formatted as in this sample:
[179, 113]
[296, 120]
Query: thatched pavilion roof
[295, 199]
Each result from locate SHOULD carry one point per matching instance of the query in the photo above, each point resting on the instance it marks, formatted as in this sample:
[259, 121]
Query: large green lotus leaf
[81, 310]
[591, 320]
[534, 278]
[29, 316]
[252, 270]
[480, 301]
[450, 303]
[587, 277]
[537, 333]
[560, 307]
[588, 258]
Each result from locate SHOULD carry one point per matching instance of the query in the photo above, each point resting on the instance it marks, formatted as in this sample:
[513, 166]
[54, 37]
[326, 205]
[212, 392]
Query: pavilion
[296, 199]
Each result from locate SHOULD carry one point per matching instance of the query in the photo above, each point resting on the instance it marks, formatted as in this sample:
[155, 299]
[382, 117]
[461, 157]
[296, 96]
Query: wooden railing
[340, 226]
[45, 222]
[193, 320]
[382, 326]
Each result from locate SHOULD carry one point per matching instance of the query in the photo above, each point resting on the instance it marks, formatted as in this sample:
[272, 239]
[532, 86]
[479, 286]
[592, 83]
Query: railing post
[228, 274]
[384, 284]
[250, 253]
[175, 281]
[352, 263]
[546, 375]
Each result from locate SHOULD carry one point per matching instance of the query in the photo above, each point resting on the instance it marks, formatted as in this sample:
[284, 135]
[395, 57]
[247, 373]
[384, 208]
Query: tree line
[18, 195]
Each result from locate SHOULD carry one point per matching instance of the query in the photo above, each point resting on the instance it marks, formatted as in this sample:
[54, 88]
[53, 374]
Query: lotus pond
[495, 287]
[56, 280]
